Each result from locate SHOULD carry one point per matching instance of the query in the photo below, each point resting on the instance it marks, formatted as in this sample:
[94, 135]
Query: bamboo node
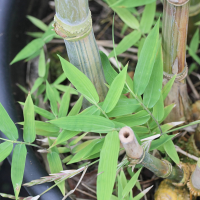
[170, 169]
[187, 172]
[73, 32]
[178, 2]
[181, 76]
[135, 161]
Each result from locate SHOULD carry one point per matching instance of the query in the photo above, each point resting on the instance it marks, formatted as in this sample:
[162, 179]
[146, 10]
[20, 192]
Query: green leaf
[139, 196]
[17, 167]
[29, 121]
[166, 89]
[134, 120]
[84, 152]
[127, 17]
[49, 34]
[194, 55]
[35, 34]
[64, 88]
[42, 112]
[146, 61]
[60, 79]
[171, 151]
[77, 107]
[158, 109]
[5, 150]
[64, 136]
[107, 166]
[40, 24]
[37, 83]
[73, 142]
[64, 106]
[46, 133]
[89, 123]
[127, 42]
[131, 3]
[28, 50]
[194, 44]
[131, 183]
[153, 90]
[55, 165]
[80, 81]
[140, 130]
[81, 146]
[124, 107]
[23, 89]
[148, 17]
[6, 125]
[52, 99]
[42, 64]
[115, 91]
[92, 110]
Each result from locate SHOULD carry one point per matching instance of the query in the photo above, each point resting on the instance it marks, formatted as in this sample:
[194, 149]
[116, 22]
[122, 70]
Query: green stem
[144, 107]
[103, 112]
[20, 142]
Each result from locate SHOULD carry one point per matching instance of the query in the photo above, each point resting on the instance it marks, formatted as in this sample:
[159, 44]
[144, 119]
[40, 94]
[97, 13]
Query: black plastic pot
[12, 39]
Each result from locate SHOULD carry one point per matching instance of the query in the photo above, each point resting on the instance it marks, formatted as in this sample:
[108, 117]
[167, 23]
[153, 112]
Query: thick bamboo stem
[82, 49]
[136, 155]
[174, 38]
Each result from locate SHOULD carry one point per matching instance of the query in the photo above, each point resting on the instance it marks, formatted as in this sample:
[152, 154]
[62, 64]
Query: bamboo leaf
[42, 112]
[64, 106]
[74, 142]
[37, 83]
[35, 34]
[115, 91]
[131, 183]
[127, 42]
[81, 146]
[134, 120]
[29, 121]
[194, 44]
[139, 196]
[49, 34]
[84, 152]
[77, 107]
[80, 81]
[158, 109]
[55, 165]
[64, 88]
[28, 50]
[42, 64]
[17, 167]
[148, 17]
[5, 150]
[124, 107]
[60, 79]
[47, 133]
[64, 136]
[153, 90]
[40, 24]
[166, 89]
[92, 110]
[52, 99]
[131, 3]
[171, 151]
[90, 123]
[146, 61]
[6, 125]
[107, 166]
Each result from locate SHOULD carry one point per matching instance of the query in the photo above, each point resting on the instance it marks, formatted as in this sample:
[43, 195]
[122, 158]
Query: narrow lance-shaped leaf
[5, 150]
[131, 3]
[115, 91]
[131, 183]
[158, 109]
[52, 99]
[80, 81]
[29, 121]
[77, 107]
[146, 61]
[64, 106]
[194, 44]
[148, 17]
[36, 85]
[171, 151]
[166, 89]
[17, 167]
[28, 50]
[88, 123]
[127, 42]
[153, 90]
[139, 196]
[107, 166]
[7, 126]
[40, 24]
[42, 64]
[55, 165]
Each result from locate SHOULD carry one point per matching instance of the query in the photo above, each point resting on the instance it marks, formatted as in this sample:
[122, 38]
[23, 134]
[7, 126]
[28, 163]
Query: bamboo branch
[136, 155]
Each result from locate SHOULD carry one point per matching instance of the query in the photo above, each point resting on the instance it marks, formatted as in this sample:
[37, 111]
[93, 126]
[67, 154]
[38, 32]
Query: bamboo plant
[174, 38]
[194, 7]
[73, 23]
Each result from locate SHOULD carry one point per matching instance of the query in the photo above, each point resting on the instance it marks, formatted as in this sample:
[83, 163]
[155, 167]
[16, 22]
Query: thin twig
[178, 149]
[196, 94]
[90, 195]
[84, 185]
